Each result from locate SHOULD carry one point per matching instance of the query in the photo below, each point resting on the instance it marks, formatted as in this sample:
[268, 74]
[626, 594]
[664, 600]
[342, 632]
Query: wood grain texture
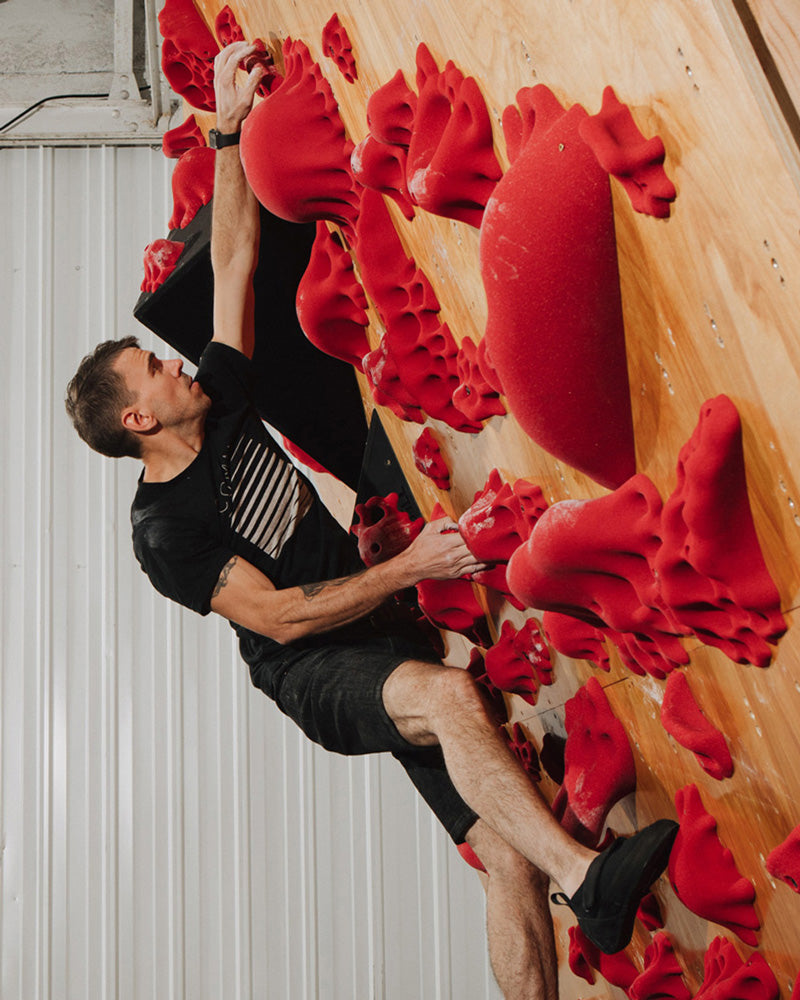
[711, 301]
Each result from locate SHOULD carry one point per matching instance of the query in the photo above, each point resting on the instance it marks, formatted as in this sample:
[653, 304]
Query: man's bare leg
[432, 704]
[518, 923]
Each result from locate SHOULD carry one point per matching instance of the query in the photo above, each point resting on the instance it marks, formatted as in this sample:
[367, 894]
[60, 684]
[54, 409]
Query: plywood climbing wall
[710, 298]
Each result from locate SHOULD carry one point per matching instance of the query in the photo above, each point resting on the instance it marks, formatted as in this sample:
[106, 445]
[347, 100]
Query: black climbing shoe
[608, 898]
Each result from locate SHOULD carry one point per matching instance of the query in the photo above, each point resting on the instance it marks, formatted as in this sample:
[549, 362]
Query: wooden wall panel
[711, 299]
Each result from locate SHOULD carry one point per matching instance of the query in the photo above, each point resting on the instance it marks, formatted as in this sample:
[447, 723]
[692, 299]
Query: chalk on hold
[428, 458]
[683, 719]
[187, 53]
[662, 975]
[783, 861]
[726, 975]
[160, 260]
[336, 44]
[548, 261]
[703, 872]
[636, 162]
[192, 185]
[383, 530]
[599, 769]
[331, 304]
[294, 149]
[519, 662]
[710, 567]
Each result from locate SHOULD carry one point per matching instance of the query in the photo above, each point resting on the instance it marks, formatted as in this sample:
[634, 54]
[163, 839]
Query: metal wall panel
[165, 832]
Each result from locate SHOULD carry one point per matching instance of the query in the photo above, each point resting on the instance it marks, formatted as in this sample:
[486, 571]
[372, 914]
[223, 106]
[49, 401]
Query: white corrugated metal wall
[165, 832]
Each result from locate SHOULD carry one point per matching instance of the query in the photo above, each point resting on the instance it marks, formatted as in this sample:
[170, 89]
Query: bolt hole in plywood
[699, 291]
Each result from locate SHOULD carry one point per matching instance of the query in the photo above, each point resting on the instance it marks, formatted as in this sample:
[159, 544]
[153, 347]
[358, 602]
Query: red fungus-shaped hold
[616, 969]
[649, 912]
[592, 559]
[500, 518]
[783, 861]
[228, 30]
[519, 662]
[302, 456]
[727, 977]
[497, 703]
[187, 53]
[386, 387]
[524, 751]
[391, 110]
[382, 167]
[703, 873]
[683, 719]
[711, 569]
[160, 260]
[383, 530]
[452, 168]
[662, 975]
[294, 148]
[599, 765]
[336, 44]
[470, 857]
[192, 185]
[182, 137]
[429, 460]
[548, 261]
[421, 347]
[475, 396]
[576, 639]
[636, 162]
[452, 604]
[331, 304]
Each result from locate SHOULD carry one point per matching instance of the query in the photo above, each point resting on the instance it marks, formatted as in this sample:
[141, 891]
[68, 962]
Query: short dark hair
[96, 396]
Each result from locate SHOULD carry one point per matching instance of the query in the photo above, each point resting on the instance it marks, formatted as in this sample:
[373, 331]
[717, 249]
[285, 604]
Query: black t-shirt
[241, 496]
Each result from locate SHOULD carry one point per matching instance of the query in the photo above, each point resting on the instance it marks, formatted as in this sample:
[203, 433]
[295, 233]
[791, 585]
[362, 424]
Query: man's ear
[138, 421]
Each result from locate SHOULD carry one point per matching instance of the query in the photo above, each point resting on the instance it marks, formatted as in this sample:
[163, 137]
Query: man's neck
[169, 453]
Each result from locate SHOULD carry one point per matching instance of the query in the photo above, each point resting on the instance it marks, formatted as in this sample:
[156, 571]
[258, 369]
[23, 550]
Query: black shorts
[334, 693]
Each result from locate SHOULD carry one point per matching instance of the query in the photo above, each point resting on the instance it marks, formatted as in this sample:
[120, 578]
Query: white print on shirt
[262, 494]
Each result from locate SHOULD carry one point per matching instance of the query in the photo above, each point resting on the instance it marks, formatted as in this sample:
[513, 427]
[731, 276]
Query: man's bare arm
[245, 596]
[235, 214]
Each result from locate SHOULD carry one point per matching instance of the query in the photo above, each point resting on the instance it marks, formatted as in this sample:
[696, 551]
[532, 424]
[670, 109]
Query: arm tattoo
[311, 590]
[223, 576]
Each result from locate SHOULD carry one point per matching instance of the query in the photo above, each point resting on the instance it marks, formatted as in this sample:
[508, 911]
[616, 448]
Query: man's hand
[440, 553]
[234, 102]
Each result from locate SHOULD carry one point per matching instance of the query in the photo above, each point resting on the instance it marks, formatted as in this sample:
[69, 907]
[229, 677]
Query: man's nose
[176, 367]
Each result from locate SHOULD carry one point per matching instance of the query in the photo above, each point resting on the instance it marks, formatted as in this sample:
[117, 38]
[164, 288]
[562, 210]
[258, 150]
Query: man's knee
[422, 698]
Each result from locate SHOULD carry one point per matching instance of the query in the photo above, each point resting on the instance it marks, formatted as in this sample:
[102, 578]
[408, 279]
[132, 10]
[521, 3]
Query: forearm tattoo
[223, 577]
[311, 590]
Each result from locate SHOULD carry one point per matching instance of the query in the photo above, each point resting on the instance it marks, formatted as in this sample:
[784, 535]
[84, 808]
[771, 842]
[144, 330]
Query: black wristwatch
[219, 140]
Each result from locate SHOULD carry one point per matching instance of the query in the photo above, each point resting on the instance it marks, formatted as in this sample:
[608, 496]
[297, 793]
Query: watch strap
[219, 140]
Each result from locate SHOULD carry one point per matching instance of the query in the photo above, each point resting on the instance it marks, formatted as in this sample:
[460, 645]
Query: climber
[223, 522]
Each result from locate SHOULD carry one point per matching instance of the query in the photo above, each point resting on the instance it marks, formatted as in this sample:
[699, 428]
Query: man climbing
[223, 522]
